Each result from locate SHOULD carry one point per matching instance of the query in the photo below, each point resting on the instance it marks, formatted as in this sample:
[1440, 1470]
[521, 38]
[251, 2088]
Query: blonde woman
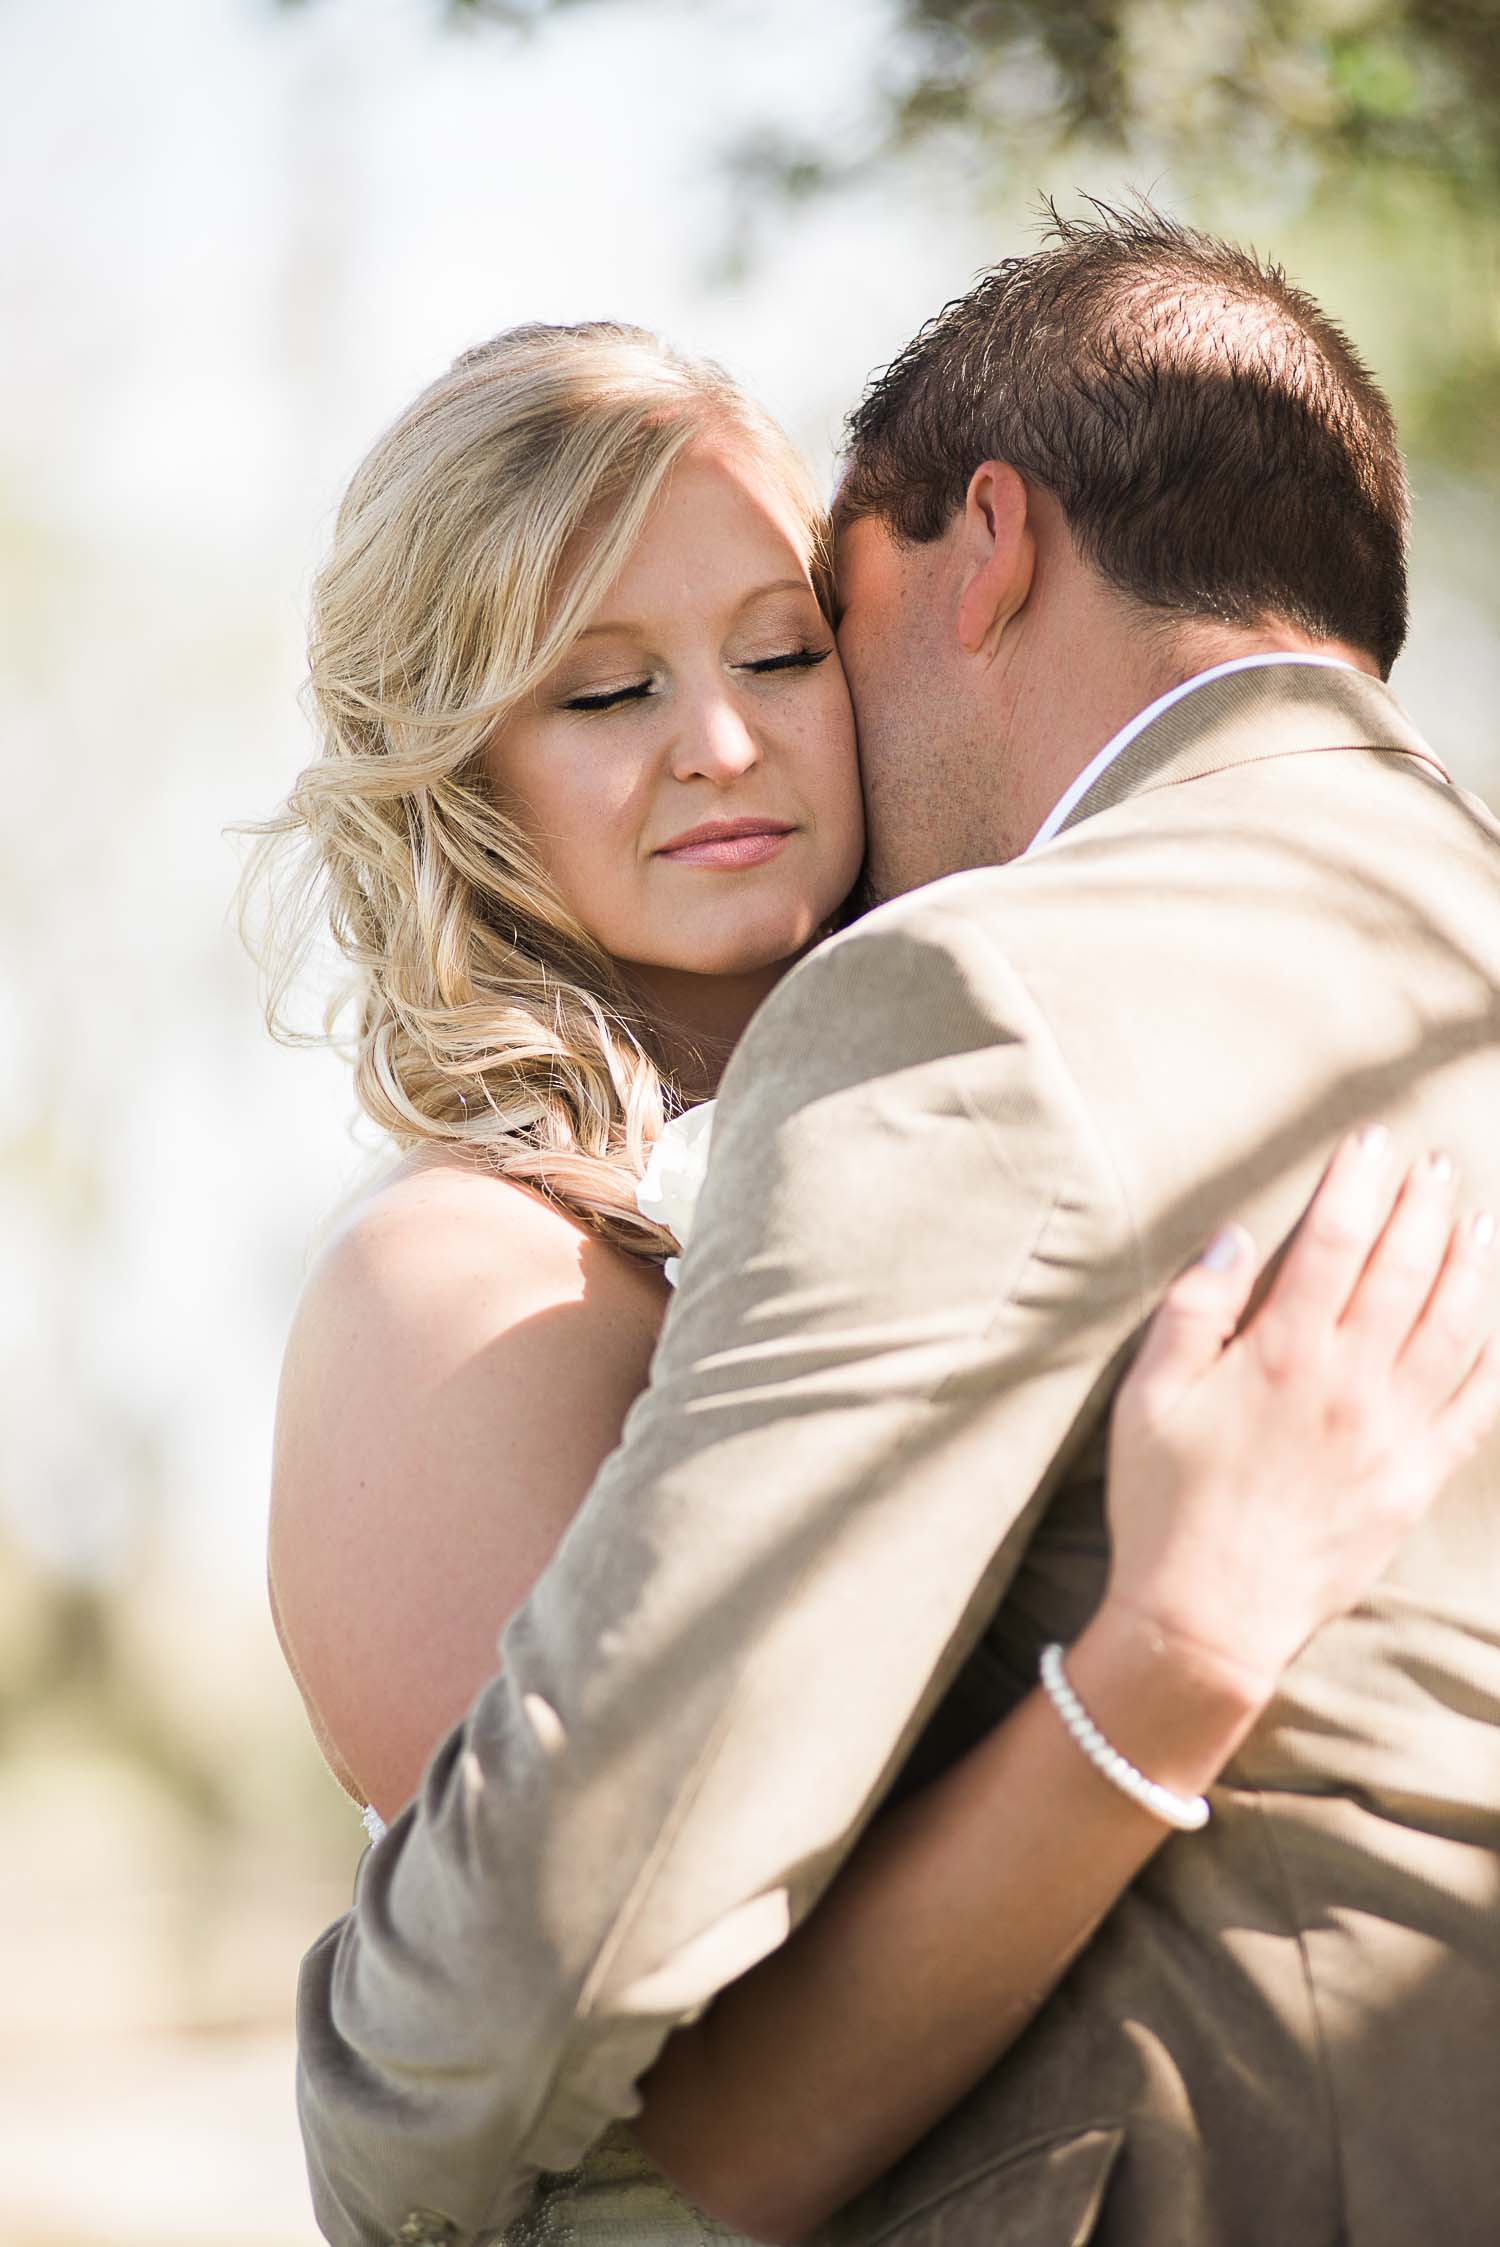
[588, 789]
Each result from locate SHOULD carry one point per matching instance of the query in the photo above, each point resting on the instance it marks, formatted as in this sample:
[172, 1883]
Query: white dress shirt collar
[1146, 717]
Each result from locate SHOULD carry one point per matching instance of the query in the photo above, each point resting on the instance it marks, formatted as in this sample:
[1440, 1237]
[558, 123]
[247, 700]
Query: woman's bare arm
[951, 1923]
[459, 1368]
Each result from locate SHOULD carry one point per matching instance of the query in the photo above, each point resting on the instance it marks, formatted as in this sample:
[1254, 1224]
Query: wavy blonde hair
[470, 549]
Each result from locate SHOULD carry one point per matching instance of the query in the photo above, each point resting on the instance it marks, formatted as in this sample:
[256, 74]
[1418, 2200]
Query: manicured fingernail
[1374, 1142]
[1224, 1250]
[1440, 1169]
[1482, 1231]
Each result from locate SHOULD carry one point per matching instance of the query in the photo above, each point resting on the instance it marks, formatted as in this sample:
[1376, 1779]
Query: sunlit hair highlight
[472, 546]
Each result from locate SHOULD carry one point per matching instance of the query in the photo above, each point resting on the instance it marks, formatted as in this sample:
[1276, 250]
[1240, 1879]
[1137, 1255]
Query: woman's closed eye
[610, 698]
[641, 690]
[795, 659]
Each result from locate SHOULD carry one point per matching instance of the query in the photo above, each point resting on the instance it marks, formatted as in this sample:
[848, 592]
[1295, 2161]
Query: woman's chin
[735, 955]
[733, 963]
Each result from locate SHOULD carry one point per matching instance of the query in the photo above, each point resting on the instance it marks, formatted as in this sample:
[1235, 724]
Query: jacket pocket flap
[1046, 2192]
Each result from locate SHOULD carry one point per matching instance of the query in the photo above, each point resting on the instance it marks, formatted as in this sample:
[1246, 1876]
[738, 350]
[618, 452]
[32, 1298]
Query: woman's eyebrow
[632, 626]
[777, 585]
[628, 625]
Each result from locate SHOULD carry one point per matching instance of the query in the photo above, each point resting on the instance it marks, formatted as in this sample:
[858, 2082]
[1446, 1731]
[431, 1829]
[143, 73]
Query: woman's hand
[1259, 1482]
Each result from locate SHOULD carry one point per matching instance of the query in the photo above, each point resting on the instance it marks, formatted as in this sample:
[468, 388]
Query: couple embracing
[995, 1734]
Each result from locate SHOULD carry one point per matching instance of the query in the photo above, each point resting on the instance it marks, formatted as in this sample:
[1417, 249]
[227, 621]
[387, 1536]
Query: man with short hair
[1193, 456]
[1134, 491]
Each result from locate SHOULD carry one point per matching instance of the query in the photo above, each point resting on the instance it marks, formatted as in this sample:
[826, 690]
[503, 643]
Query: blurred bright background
[238, 235]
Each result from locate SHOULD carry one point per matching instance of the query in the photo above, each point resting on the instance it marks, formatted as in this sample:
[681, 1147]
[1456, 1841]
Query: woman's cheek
[840, 774]
[610, 874]
[599, 817]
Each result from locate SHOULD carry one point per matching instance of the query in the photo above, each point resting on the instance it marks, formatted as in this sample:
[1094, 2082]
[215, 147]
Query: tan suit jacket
[959, 1154]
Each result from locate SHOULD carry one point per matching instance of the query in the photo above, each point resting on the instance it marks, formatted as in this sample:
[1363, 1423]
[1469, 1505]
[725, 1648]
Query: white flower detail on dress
[673, 1178]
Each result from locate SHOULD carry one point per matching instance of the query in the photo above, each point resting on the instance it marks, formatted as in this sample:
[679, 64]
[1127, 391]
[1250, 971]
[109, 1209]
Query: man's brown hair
[1214, 440]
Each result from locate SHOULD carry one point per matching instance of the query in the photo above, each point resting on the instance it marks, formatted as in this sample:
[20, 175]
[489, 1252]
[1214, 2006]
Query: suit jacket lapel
[1275, 710]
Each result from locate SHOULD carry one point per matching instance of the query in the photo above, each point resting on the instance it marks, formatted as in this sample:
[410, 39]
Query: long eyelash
[636, 693]
[796, 659]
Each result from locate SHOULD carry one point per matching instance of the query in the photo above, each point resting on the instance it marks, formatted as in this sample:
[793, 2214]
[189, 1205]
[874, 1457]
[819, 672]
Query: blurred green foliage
[1362, 137]
[1405, 82]
[1195, 86]
[1409, 82]
[1397, 81]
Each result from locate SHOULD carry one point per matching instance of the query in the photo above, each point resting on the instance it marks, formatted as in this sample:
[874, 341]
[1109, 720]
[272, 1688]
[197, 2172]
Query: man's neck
[1099, 765]
[1054, 739]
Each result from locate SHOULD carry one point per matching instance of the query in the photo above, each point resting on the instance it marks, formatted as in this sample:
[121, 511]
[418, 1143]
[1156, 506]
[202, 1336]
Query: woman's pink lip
[730, 851]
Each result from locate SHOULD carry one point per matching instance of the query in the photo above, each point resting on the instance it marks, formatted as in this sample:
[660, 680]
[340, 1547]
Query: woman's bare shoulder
[459, 1367]
[432, 1208]
[441, 1253]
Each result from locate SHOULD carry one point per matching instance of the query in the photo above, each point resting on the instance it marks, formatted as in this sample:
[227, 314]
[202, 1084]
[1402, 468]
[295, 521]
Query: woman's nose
[715, 742]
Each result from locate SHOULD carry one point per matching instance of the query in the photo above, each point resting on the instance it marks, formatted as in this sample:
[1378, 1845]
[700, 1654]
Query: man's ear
[999, 547]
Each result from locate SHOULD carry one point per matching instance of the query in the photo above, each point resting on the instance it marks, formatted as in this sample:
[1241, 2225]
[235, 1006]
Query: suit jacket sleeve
[909, 1273]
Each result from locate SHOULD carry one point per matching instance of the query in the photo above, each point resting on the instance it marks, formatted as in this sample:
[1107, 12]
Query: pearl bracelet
[1187, 1812]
